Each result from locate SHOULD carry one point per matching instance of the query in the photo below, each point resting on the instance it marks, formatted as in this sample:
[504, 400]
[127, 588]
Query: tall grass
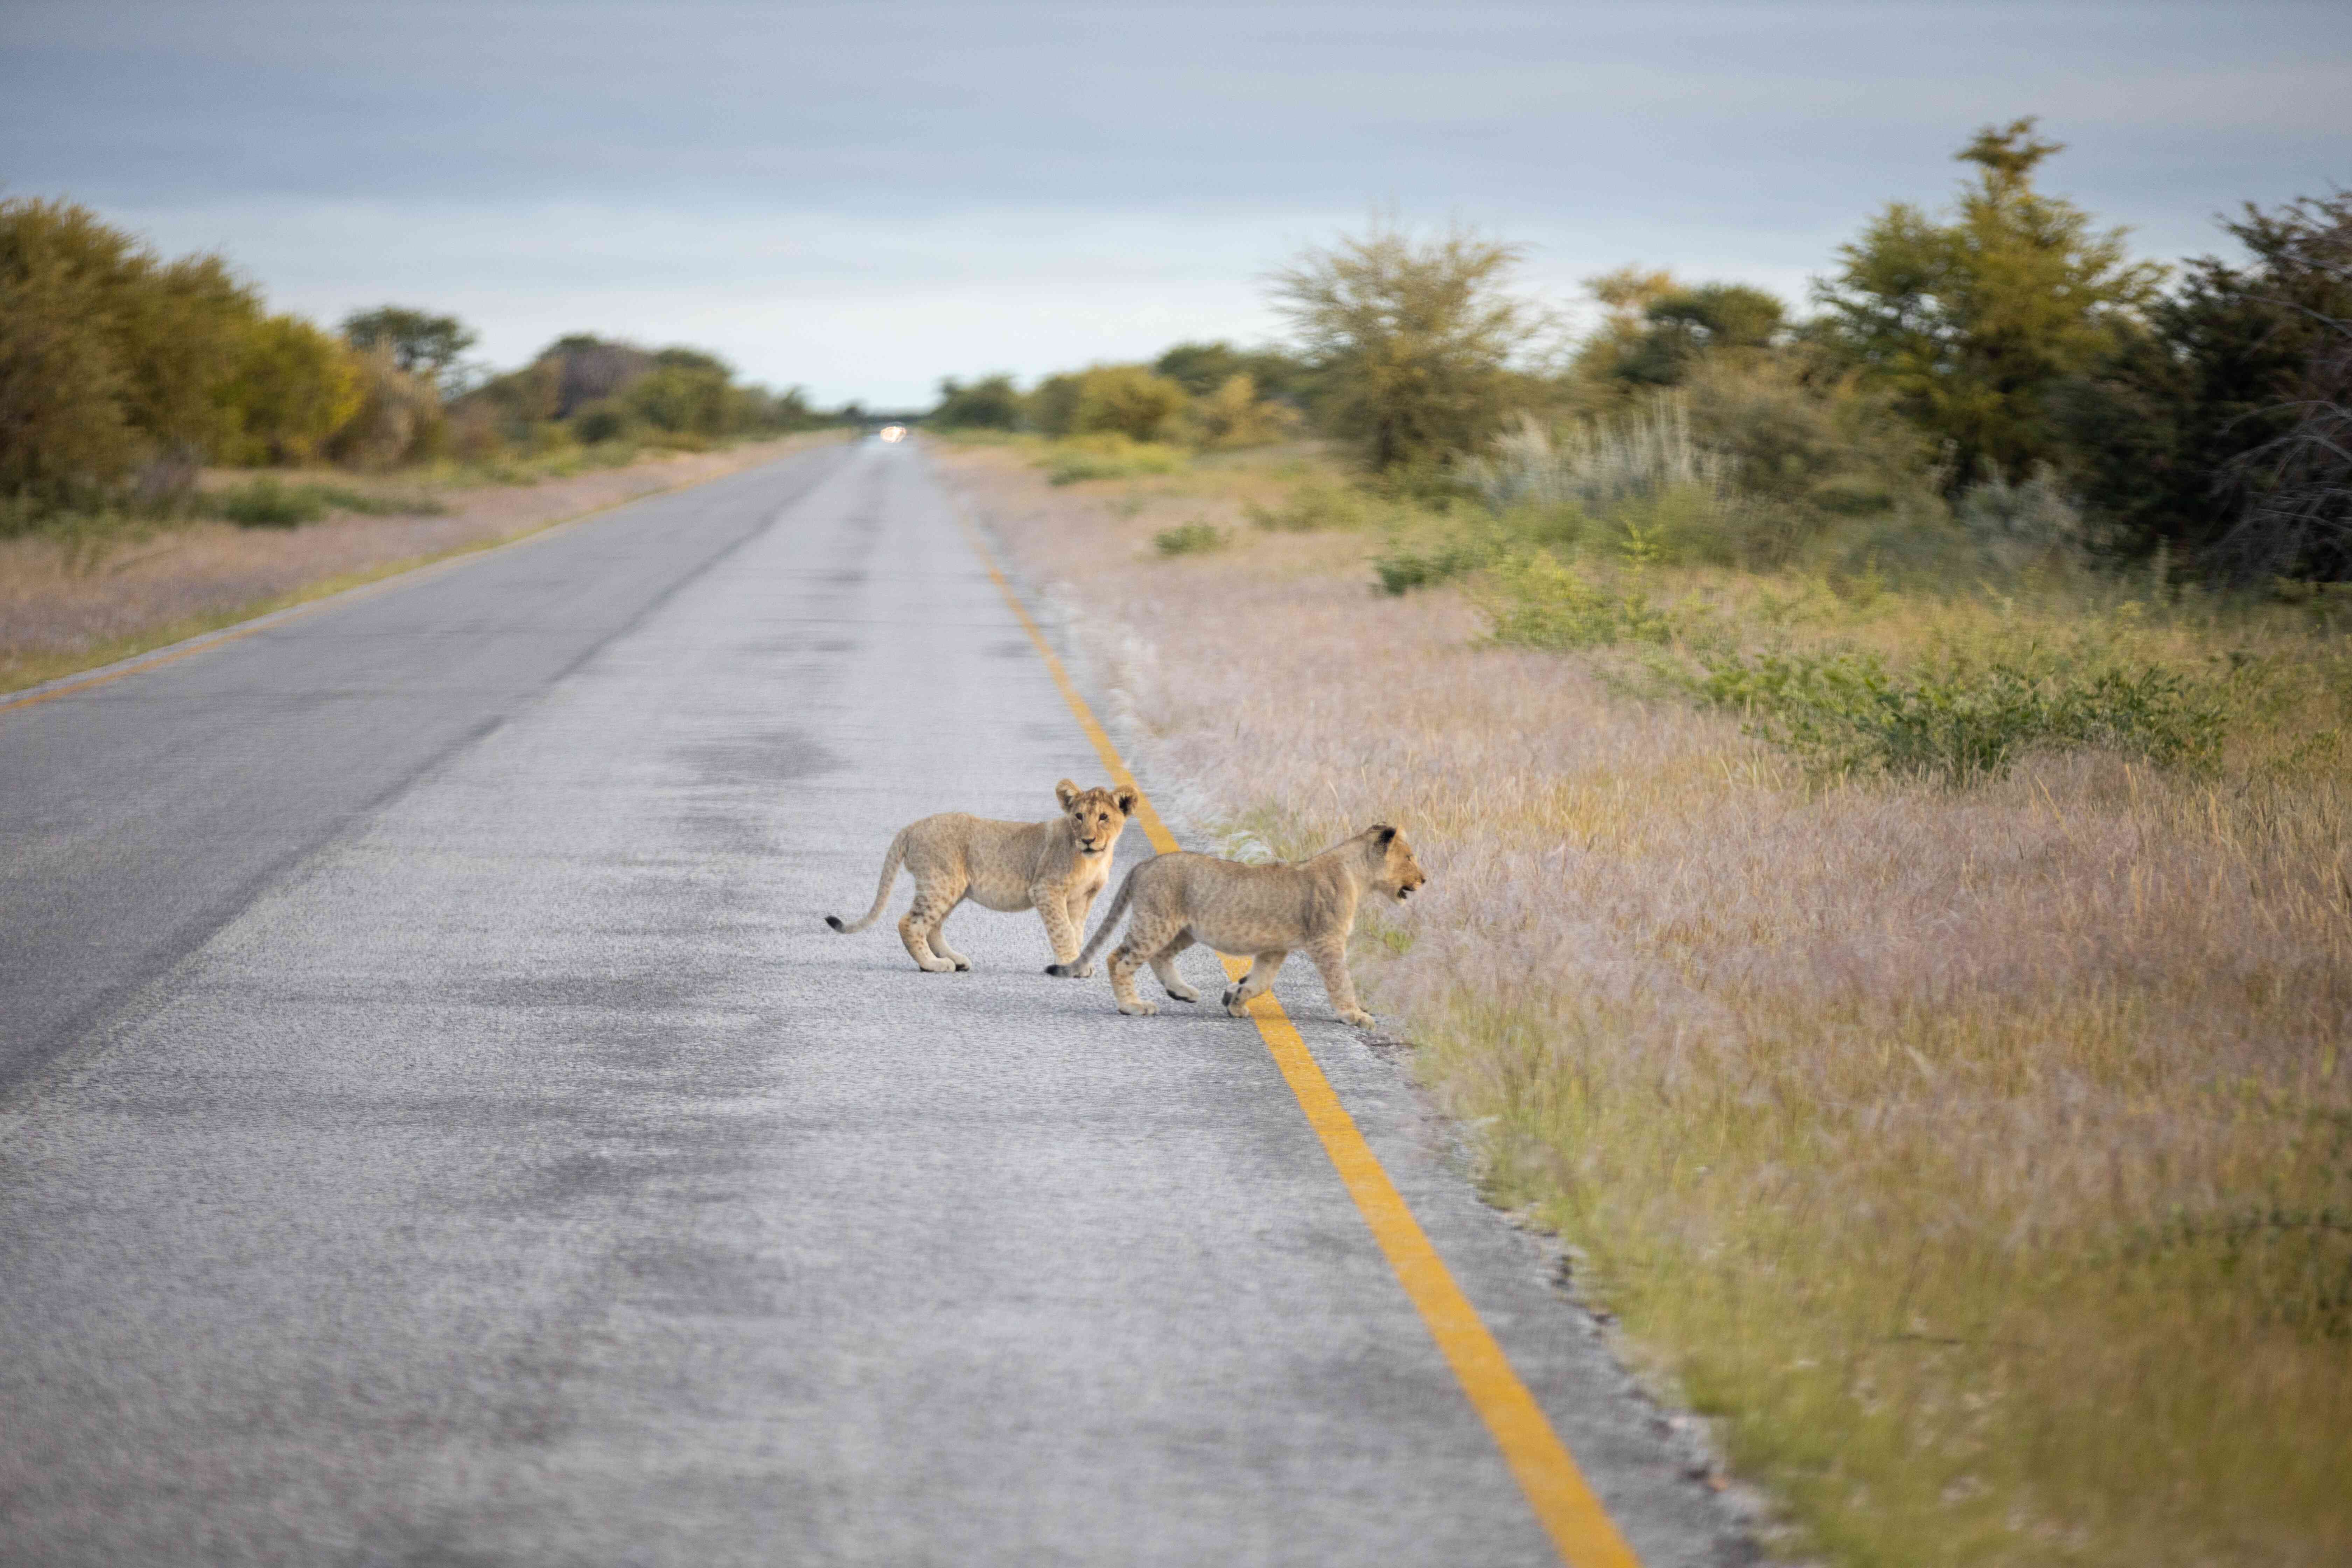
[1979, 1158]
[1598, 465]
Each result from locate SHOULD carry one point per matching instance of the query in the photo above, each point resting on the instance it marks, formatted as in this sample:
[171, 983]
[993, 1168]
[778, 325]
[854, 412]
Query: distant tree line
[2005, 359]
[122, 372]
[1208, 396]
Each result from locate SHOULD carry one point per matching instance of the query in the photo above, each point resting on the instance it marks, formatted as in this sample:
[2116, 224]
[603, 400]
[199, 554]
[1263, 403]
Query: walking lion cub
[1260, 912]
[1055, 867]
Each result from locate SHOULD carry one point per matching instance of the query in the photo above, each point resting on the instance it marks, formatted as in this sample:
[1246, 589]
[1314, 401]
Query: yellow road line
[1578, 1526]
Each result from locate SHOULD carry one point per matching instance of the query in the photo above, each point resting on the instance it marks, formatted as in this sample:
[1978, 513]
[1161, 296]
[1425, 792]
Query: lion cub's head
[1400, 876]
[1098, 816]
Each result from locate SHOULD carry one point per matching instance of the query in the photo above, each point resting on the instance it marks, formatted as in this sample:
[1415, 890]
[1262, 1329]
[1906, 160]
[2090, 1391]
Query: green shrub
[1535, 601]
[1962, 718]
[1129, 400]
[1406, 566]
[1194, 538]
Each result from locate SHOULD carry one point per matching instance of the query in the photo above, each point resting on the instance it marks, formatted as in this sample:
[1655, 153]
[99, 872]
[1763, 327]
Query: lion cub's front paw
[1139, 1009]
[1184, 994]
[963, 965]
[1358, 1017]
[1080, 972]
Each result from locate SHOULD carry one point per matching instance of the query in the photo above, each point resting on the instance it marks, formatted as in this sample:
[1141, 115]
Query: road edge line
[1563, 1502]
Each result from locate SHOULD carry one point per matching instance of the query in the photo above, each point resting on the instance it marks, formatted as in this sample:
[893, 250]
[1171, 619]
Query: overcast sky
[864, 197]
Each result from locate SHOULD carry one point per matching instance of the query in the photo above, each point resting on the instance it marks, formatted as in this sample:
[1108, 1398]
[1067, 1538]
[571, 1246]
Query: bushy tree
[111, 357]
[421, 343]
[295, 387]
[682, 397]
[587, 369]
[2165, 428]
[991, 403]
[63, 426]
[399, 417]
[1129, 400]
[1973, 322]
[1202, 369]
[1234, 415]
[1414, 339]
[2292, 494]
[1051, 407]
[1681, 325]
[1808, 448]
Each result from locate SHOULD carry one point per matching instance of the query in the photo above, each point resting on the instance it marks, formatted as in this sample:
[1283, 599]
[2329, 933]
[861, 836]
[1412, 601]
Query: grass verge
[1951, 1098]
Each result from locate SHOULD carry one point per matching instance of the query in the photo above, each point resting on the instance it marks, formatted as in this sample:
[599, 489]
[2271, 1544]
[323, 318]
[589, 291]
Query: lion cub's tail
[1102, 932]
[891, 863]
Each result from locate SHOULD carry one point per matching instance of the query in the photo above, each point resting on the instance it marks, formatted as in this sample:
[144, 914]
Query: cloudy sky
[861, 198]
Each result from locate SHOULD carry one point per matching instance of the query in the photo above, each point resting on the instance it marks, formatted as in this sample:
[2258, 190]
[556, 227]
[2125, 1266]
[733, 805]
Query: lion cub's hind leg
[934, 901]
[1163, 964]
[1262, 970]
[939, 940]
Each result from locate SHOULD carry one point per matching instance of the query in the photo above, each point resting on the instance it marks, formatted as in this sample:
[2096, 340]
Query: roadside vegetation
[148, 403]
[129, 381]
[1884, 781]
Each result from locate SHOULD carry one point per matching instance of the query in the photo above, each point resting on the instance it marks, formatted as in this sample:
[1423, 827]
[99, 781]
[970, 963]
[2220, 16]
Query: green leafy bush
[1960, 717]
[1536, 601]
[1194, 538]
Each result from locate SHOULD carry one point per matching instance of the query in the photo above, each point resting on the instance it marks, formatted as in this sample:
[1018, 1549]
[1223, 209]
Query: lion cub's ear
[1066, 792]
[1126, 799]
[1383, 835]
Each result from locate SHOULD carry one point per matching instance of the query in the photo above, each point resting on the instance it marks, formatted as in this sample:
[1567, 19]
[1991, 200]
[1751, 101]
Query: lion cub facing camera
[1259, 912]
[1055, 867]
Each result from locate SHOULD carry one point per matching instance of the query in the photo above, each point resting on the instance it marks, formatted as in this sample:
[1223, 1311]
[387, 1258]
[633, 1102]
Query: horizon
[862, 205]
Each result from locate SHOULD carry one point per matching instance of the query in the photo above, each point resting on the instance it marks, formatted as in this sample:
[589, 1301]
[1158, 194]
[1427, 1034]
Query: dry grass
[69, 601]
[1980, 1158]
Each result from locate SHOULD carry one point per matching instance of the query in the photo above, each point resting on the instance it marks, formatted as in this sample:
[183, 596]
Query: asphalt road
[437, 1128]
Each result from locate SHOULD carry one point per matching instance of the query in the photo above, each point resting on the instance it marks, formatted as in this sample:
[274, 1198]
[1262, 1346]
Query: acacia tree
[1414, 339]
[1971, 323]
[421, 343]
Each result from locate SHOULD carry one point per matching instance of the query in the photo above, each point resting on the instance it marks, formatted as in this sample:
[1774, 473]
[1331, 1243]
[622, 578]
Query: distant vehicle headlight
[894, 432]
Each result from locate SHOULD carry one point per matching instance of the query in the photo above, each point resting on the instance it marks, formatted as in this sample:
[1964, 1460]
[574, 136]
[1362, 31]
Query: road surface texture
[437, 1127]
